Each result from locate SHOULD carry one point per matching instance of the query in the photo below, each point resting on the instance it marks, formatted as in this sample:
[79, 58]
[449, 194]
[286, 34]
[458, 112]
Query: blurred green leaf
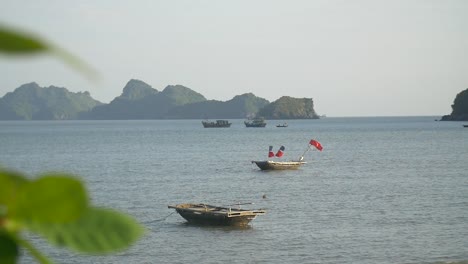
[8, 249]
[56, 198]
[98, 231]
[13, 42]
[32, 250]
[10, 183]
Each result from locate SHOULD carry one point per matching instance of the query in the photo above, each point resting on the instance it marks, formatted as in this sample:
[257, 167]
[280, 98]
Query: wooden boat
[286, 165]
[256, 122]
[218, 123]
[282, 125]
[278, 165]
[216, 215]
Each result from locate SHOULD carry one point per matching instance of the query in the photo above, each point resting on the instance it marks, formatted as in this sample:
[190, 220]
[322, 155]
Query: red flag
[316, 144]
[270, 152]
[280, 152]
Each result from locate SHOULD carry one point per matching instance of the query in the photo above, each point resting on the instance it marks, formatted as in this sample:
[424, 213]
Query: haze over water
[383, 190]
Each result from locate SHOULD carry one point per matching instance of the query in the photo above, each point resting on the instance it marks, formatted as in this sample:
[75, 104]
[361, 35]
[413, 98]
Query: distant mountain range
[141, 101]
[31, 102]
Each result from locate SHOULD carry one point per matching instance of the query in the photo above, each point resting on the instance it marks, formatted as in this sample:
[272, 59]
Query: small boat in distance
[218, 123]
[279, 165]
[256, 122]
[465, 125]
[216, 215]
[282, 125]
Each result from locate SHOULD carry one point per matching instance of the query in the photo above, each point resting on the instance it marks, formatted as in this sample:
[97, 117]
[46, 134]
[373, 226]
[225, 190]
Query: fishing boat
[285, 165]
[282, 125]
[278, 165]
[218, 123]
[206, 214]
[256, 122]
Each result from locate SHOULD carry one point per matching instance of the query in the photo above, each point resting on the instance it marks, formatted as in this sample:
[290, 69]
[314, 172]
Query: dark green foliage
[459, 108]
[13, 42]
[57, 207]
[99, 230]
[64, 201]
[32, 102]
[289, 108]
[8, 249]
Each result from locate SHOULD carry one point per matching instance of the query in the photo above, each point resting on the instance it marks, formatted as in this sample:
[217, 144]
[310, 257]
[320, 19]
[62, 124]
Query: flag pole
[302, 156]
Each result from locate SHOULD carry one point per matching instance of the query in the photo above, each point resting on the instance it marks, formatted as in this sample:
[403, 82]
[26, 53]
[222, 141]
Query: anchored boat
[285, 165]
[279, 165]
[282, 125]
[216, 215]
[256, 122]
[218, 123]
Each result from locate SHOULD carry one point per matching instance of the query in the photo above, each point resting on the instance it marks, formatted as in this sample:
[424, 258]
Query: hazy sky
[354, 58]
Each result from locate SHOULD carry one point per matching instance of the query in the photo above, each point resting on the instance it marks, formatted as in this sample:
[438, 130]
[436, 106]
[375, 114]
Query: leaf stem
[75, 62]
[34, 252]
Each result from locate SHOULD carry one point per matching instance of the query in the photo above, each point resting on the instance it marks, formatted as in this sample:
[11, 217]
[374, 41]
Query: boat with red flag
[285, 165]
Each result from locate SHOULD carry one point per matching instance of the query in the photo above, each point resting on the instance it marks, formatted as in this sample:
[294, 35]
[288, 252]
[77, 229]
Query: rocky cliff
[459, 108]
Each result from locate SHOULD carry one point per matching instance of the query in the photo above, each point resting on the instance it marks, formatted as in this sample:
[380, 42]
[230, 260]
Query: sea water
[383, 190]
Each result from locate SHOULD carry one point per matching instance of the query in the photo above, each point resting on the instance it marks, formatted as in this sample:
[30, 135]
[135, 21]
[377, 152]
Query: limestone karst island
[459, 108]
[141, 101]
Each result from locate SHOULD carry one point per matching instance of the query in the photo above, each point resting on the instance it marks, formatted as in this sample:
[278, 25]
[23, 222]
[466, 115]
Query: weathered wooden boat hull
[207, 219]
[279, 165]
[213, 215]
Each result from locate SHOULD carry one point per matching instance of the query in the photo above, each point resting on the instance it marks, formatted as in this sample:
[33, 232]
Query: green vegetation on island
[32, 102]
[289, 108]
[459, 108]
[240, 106]
[141, 101]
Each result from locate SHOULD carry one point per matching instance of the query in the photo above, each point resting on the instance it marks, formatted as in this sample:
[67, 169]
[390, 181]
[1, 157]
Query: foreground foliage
[14, 42]
[54, 206]
[57, 207]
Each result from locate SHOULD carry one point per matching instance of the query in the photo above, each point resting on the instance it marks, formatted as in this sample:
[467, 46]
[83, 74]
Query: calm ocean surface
[383, 190]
